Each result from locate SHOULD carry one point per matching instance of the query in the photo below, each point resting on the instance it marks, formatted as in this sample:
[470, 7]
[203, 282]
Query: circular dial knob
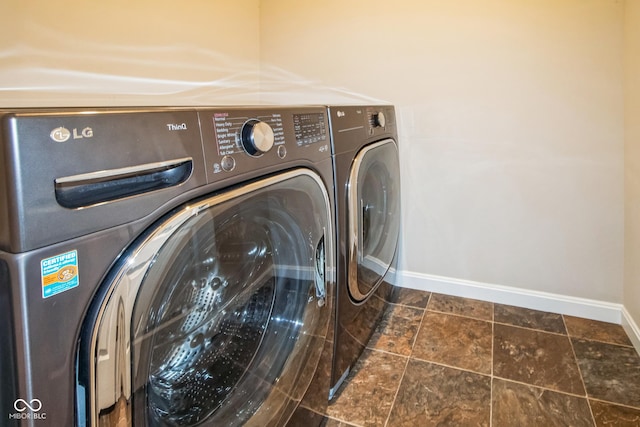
[257, 137]
[379, 120]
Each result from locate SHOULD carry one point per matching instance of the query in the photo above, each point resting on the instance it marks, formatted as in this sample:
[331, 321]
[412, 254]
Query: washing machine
[367, 189]
[164, 266]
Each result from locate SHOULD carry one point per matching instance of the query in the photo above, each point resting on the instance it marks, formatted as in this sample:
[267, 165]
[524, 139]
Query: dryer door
[217, 315]
[374, 216]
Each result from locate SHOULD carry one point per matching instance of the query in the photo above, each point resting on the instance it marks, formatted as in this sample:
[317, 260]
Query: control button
[282, 151]
[257, 137]
[379, 120]
[228, 163]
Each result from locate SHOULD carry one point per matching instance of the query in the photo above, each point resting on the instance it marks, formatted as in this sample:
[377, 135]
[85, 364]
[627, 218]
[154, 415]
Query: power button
[228, 163]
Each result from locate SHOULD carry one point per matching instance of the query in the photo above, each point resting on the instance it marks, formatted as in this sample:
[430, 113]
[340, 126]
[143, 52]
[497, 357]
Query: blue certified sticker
[59, 273]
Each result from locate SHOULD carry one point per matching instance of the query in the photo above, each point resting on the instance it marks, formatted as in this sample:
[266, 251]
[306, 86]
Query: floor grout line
[415, 338]
[484, 374]
[566, 393]
[390, 353]
[607, 402]
[573, 337]
[584, 385]
[458, 315]
[493, 343]
[532, 329]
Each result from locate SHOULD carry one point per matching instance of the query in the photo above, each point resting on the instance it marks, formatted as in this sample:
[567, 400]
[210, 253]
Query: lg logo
[62, 134]
[28, 410]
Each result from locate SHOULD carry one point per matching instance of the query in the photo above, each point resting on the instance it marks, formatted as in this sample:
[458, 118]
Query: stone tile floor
[438, 360]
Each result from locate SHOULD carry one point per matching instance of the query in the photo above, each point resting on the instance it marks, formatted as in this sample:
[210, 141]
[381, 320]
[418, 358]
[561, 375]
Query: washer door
[374, 216]
[217, 316]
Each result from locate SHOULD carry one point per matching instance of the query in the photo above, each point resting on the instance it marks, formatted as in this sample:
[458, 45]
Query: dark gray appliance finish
[367, 191]
[143, 264]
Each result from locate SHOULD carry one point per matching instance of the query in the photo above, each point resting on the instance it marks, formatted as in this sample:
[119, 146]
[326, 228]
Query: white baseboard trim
[536, 300]
[631, 328]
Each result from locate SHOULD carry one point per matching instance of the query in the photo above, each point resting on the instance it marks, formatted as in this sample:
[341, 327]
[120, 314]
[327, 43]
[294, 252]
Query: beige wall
[511, 127]
[117, 52]
[632, 160]
[511, 112]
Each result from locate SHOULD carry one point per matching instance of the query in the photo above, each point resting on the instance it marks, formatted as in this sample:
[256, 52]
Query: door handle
[92, 188]
[320, 273]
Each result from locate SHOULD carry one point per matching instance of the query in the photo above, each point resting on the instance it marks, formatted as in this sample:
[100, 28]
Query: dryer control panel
[351, 125]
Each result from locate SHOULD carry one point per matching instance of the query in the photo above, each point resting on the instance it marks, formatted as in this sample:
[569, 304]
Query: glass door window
[374, 216]
[223, 310]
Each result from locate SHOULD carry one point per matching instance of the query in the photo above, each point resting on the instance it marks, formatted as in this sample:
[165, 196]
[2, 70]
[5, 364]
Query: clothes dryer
[163, 267]
[367, 188]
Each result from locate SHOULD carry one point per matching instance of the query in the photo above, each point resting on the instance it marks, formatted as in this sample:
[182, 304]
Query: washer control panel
[88, 170]
[243, 139]
[236, 132]
[310, 128]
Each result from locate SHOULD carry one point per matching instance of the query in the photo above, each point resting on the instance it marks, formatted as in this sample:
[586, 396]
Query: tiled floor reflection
[438, 360]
